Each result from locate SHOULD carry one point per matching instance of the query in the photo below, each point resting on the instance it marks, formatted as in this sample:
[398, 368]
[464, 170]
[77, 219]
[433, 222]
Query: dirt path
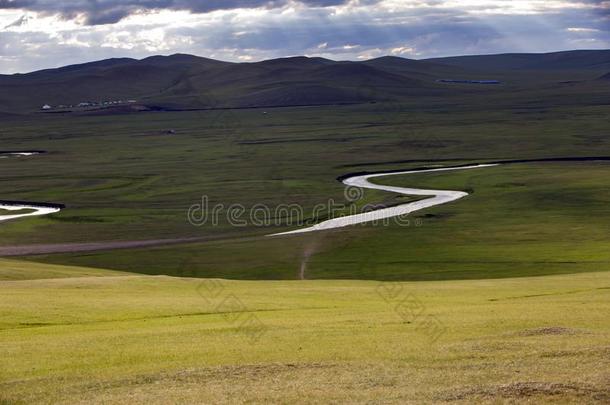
[30, 250]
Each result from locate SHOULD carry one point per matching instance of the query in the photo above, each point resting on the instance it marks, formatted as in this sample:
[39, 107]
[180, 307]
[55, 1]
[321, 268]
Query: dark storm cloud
[312, 28]
[362, 29]
[97, 12]
[602, 7]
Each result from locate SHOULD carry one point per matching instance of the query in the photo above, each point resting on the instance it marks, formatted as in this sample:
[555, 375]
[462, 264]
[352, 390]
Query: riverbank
[31, 208]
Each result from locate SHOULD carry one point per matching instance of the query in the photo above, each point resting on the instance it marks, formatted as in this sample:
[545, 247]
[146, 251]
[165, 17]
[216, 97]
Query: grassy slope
[13, 270]
[184, 81]
[572, 60]
[159, 339]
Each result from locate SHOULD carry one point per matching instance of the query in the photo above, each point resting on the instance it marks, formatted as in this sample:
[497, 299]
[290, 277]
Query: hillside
[190, 82]
[568, 60]
[181, 81]
[112, 79]
[159, 340]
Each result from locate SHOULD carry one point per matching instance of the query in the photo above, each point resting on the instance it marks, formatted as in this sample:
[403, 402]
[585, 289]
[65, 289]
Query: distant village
[87, 104]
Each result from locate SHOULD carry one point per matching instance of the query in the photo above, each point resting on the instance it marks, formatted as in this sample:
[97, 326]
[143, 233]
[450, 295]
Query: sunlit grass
[160, 339]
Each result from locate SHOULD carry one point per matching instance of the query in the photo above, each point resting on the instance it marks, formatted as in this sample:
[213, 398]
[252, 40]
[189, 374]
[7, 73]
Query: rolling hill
[111, 79]
[185, 81]
[181, 81]
[567, 60]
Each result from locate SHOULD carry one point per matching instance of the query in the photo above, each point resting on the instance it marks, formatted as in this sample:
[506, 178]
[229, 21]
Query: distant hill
[605, 77]
[415, 68]
[185, 81]
[190, 82]
[568, 60]
[112, 79]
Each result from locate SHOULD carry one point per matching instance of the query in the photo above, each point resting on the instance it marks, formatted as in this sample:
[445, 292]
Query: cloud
[18, 22]
[98, 12]
[582, 30]
[255, 29]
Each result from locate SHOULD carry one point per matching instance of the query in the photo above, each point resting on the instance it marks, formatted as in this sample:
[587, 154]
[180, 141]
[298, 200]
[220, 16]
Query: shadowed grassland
[125, 179]
[519, 220]
[15, 212]
[147, 339]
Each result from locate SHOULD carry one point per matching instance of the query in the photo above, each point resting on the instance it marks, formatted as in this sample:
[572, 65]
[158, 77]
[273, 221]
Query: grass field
[500, 297]
[146, 180]
[520, 220]
[95, 337]
[143, 184]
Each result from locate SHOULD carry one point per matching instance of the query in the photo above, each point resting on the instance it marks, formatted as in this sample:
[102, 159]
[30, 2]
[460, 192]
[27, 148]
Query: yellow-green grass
[11, 270]
[146, 339]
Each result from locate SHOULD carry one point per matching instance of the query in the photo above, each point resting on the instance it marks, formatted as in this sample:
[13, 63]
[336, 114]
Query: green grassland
[15, 212]
[520, 220]
[121, 174]
[101, 338]
[123, 178]
[501, 296]
[13, 270]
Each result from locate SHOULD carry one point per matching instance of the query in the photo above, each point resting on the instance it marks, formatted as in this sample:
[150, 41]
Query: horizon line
[305, 56]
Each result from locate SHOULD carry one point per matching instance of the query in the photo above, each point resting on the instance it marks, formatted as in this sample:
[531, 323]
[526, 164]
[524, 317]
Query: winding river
[437, 197]
[32, 208]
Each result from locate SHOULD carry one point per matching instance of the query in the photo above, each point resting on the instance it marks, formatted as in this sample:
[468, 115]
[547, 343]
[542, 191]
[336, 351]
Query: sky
[37, 34]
